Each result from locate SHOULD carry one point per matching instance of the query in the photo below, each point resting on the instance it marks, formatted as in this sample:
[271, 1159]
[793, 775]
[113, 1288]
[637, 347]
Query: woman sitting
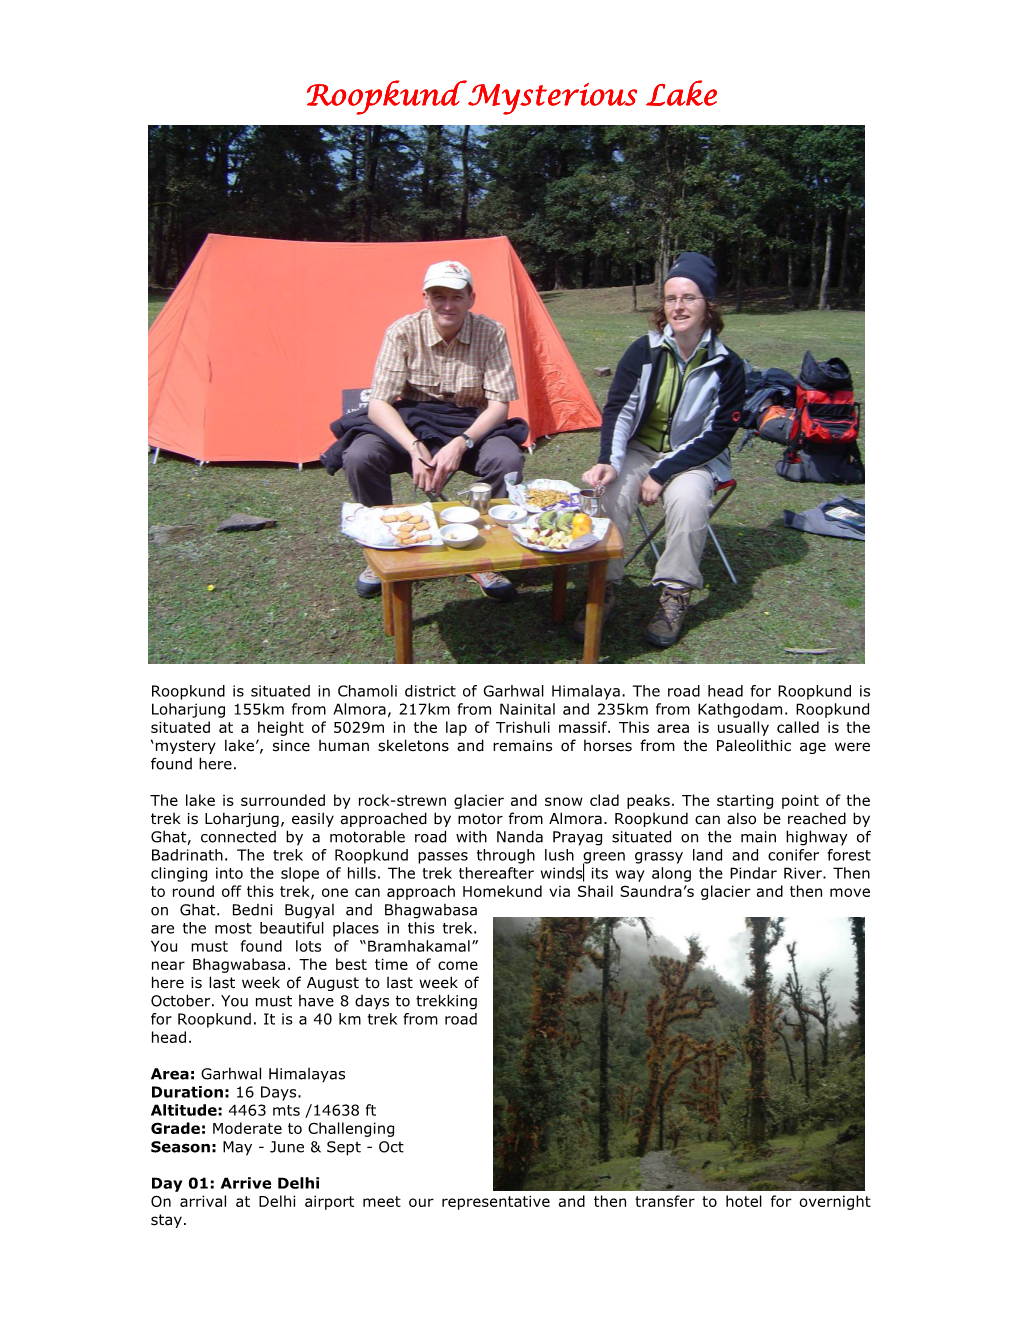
[673, 407]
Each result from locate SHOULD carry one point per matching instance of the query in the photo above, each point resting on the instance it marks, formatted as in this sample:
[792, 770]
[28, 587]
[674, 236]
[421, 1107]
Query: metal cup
[589, 497]
[477, 496]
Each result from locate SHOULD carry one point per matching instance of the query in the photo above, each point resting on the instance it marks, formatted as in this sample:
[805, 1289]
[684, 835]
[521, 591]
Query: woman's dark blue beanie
[693, 266]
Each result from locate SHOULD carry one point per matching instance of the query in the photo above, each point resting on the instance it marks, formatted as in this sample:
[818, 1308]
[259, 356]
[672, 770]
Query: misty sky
[821, 942]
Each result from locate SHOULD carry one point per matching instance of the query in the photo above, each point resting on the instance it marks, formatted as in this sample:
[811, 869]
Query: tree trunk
[633, 286]
[789, 1057]
[765, 934]
[668, 1053]
[559, 947]
[794, 992]
[465, 180]
[758, 1029]
[219, 168]
[823, 296]
[740, 274]
[160, 248]
[607, 948]
[843, 256]
[662, 257]
[813, 279]
[790, 287]
[857, 923]
[822, 1013]
[428, 161]
[370, 169]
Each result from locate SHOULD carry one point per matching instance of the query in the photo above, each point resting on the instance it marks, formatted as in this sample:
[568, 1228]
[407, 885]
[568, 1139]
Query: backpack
[766, 396]
[822, 443]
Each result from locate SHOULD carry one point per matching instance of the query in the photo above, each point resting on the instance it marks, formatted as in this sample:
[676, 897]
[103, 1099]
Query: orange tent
[264, 342]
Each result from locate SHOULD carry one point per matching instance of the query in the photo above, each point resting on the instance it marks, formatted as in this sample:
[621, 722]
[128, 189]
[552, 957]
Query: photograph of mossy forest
[627, 1056]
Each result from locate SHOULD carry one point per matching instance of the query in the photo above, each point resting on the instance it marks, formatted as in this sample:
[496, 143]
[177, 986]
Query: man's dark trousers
[370, 461]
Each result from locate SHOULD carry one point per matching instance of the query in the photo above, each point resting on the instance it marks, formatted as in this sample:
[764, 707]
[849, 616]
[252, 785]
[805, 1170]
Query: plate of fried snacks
[538, 496]
[561, 531]
[390, 527]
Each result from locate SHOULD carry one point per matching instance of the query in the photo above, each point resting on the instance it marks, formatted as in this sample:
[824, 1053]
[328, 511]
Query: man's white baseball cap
[447, 275]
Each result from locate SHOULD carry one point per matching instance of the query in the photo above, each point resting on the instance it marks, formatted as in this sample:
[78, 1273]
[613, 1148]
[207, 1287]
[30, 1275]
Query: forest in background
[779, 207]
[609, 1044]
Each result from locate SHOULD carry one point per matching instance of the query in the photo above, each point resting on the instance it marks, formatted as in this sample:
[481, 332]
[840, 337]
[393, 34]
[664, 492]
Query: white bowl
[459, 535]
[459, 513]
[507, 513]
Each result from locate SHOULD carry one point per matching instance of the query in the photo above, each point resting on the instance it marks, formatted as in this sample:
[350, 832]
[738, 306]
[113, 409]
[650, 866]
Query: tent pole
[155, 455]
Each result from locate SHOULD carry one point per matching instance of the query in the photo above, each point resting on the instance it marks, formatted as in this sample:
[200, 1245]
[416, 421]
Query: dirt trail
[661, 1173]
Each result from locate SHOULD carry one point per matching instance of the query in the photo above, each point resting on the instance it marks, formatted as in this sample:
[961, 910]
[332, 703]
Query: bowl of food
[507, 514]
[459, 515]
[459, 535]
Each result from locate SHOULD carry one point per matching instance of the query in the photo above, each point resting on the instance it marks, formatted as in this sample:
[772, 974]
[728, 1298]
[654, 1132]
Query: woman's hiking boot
[668, 622]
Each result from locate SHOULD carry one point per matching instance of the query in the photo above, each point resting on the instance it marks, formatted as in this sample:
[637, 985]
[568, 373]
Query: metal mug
[477, 496]
[589, 501]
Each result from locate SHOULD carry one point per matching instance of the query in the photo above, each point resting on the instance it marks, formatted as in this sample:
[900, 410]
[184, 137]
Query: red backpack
[822, 430]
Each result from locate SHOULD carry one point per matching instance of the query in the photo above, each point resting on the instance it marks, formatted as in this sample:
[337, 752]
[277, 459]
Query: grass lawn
[286, 594]
[810, 1160]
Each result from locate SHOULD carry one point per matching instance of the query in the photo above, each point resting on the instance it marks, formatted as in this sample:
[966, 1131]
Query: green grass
[286, 595]
[809, 1160]
[617, 1175]
[624, 1174]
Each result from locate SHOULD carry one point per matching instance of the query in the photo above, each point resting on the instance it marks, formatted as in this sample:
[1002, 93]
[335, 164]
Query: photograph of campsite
[628, 1057]
[280, 256]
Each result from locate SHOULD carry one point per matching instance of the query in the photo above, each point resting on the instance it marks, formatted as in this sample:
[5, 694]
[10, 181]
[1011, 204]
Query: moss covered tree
[560, 945]
[606, 956]
[778, 1008]
[671, 1052]
[797, 998]
[707, 1085]
[857, 928]
[821, 1010]
[766, 932]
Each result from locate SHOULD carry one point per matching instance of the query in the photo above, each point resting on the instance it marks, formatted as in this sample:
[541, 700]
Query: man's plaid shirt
[415, 363]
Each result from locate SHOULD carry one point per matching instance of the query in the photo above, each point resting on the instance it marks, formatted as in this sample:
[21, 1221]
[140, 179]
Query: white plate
[520, 533]
[364, 524]
[543, 483]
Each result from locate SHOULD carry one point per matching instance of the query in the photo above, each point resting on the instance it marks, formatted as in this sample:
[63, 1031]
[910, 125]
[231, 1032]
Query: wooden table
[495, 552]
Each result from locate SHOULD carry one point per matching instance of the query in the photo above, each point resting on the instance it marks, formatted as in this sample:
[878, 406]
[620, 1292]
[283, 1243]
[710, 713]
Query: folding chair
[722, 493]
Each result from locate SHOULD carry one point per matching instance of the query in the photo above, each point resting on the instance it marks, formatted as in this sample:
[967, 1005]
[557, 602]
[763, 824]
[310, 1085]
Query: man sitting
[438, 404]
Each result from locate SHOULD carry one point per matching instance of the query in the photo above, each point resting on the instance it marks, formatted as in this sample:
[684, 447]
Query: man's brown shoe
[608, 610]
[666, 626]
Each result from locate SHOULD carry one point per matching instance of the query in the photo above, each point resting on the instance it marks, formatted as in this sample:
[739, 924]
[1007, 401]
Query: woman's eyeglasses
[687, 299]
